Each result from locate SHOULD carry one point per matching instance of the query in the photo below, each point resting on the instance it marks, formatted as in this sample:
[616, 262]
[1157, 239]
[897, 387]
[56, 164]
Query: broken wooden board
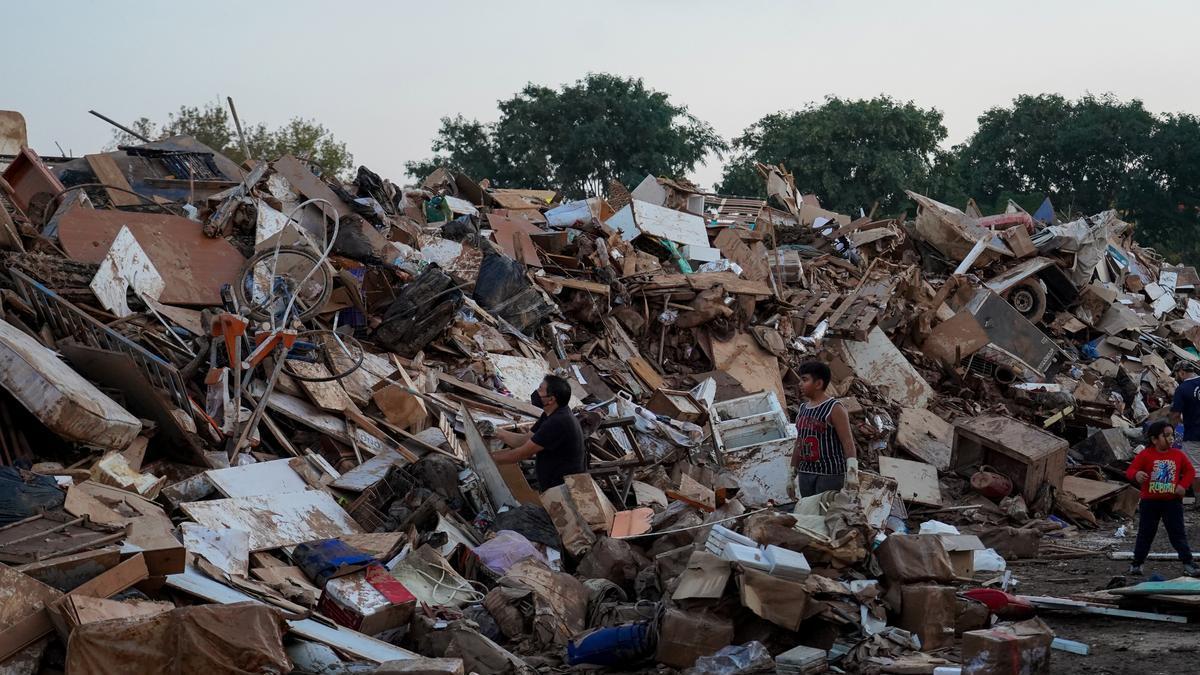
[878, 362]
[748, 363]
[1090, 491]
[924, 435]
[512, 235]
[916, 481]
[514, 477]
[274, 521]
[496, 398]
[307, 184]
[66, 573]
[481, 460]
[110, 175]
[369, 472]
[328, 396]
[193, 266]
[640, 218]
[28, 627]
[955, 339]
[401, 408]
[305, 413]
[263, 478]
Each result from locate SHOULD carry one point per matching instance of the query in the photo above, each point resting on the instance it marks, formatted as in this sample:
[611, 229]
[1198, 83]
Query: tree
[575, 139]
[849, 152]
[213, 126]
[1163, 197]
[1079, 153]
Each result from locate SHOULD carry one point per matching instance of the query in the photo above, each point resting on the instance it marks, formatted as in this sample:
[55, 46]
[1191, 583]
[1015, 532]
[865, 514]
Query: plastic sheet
[751, 657]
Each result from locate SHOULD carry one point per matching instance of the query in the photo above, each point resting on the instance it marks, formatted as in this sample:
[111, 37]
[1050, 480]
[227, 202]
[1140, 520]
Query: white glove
[791, 484]
[851, 471]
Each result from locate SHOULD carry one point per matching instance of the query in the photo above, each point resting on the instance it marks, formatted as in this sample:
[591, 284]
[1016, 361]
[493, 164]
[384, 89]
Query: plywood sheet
[264, 478]
[1089, 491]
[926, 436]
[748, 363]
[916, 481]
[369, 472]
[512, 234]
[880, 363]
[274, 521]
[193, 266]
[640, 218]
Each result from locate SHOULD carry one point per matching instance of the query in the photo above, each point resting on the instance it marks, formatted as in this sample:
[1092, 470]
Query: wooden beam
[501, 400]
[481, 460]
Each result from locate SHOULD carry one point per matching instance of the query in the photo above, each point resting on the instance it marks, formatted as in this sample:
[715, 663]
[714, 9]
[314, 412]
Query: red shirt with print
[1165, 469]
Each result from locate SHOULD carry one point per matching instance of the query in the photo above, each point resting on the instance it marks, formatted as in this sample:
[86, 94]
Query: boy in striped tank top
[824, 458]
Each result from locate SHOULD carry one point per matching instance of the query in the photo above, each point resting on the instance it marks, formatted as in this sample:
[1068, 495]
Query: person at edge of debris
[824, 457]
[1162, 472]
[1185, 408]
[555, 441]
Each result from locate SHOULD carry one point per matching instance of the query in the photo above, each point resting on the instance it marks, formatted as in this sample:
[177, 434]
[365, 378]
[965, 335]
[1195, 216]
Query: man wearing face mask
[555, 442]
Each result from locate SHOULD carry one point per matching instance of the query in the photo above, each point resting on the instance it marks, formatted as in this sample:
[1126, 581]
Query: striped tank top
[819, 447]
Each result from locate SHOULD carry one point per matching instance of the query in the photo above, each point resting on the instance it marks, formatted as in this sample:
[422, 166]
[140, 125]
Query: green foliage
[575, 139]
[1163, 198]
[213, 126]
[1080, 153]
[849, 152]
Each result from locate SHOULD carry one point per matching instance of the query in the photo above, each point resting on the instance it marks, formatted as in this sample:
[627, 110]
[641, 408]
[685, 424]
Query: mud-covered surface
[1117, 645]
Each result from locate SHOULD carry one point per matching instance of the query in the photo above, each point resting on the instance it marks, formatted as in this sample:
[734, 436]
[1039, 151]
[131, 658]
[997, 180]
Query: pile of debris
[249, 411]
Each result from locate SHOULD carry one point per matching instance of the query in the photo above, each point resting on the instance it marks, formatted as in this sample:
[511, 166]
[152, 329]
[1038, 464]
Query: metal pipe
[122, 127]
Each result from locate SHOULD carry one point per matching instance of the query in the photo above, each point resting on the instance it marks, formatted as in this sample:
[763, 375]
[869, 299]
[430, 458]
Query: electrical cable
[58, 195]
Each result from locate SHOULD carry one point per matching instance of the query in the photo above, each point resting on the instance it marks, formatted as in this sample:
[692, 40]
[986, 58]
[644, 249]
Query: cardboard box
[1017, 648]
[929, 612]
[961, 549]
[369, 602]
[909, 558]
[779, 601]
[686, 636]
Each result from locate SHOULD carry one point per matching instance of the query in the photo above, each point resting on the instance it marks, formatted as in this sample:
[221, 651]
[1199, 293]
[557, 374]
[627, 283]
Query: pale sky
[381, 74]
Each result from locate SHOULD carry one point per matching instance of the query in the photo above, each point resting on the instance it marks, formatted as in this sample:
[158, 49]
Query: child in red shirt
[1163, 473]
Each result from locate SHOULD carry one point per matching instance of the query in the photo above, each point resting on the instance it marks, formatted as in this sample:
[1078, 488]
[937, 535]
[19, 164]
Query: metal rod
[122, 127]
[237, 123]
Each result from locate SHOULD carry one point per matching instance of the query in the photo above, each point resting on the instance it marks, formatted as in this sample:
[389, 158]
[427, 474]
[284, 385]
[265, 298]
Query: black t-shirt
[561, 441]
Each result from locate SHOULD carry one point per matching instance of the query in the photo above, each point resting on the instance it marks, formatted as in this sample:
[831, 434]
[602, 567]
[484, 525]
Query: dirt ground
[1117, 645]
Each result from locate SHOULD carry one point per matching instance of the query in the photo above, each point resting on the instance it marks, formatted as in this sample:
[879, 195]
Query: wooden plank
[925, 436]
[310, 416]
[514, 477]
[369, 472]
[917, 481]
[646, 373]
[264, 478]
[273, 521]
[328, 396]
[194, 266]
[506, 402]
[1044, 602]
[484, 465]
[107, 172]
[1090, 491]
[577, 284]
[22, 632]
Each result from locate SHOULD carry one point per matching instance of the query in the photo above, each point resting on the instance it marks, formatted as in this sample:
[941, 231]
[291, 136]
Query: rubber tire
[1028, 298]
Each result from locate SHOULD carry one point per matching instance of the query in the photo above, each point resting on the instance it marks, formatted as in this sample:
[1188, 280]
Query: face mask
[536, 400]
